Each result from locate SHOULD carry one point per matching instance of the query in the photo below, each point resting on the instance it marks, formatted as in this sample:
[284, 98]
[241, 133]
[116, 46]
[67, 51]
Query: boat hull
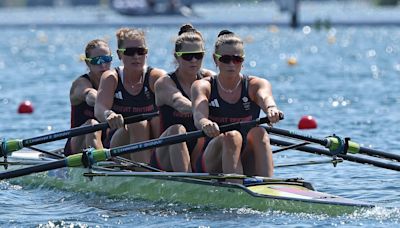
[274, 194]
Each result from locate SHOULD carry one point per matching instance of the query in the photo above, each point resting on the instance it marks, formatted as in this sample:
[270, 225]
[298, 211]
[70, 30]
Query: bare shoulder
[207, 73]
[110, 76]
[203, 83]
[164, 82]
[157, 72]
[258, 81]
[80, 82]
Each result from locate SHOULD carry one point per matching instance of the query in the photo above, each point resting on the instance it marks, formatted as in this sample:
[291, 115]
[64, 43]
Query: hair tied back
[186, 28]
[224, 32]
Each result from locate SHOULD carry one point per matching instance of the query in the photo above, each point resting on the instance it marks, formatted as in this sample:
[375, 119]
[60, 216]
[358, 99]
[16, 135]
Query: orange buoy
[292, 61]
[307, 122]
[25, 107]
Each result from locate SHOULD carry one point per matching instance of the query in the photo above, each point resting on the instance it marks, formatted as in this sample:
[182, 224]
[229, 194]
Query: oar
[335, 144]
[94, 156]
[331, 161]
[203, 176]
[9, 146]
[347, 157]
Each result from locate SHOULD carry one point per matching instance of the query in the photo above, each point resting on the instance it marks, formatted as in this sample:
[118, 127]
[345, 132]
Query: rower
[83, 93]
[129, 90]
[173, 100]
[228, 97]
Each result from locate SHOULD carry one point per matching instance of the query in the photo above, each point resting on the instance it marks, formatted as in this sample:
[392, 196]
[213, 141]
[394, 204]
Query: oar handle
[140, 117]
[243, 124]
[173, 139]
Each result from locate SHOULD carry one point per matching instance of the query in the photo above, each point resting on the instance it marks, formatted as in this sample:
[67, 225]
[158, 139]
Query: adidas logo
[214, 103]
[118, 95]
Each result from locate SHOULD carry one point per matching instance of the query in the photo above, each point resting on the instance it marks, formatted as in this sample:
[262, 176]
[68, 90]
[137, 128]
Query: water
[346, 77]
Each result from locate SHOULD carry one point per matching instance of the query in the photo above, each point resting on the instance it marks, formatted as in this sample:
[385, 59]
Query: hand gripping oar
[93, 156]
[9, 146]
[335, 144]
[347, 157]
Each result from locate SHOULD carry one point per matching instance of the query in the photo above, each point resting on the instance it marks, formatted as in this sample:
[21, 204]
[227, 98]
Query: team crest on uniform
[246, 103]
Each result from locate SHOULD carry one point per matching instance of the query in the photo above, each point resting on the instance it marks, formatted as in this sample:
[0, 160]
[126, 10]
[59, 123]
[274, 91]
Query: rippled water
[346, 77]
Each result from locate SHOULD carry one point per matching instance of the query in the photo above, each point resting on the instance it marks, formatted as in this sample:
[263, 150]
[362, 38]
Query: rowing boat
[200, 189]
[111, 175]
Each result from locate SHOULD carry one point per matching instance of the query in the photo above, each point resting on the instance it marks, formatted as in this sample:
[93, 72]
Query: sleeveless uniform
[170, 116]
[127, 104]
[79, 115]
[224, 113]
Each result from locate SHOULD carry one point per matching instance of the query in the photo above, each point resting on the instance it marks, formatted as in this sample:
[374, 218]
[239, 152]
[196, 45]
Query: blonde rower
[83, 94]
[129, 90]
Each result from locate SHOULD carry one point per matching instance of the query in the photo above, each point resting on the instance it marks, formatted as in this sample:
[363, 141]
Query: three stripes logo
[214, 103]
[118, 95]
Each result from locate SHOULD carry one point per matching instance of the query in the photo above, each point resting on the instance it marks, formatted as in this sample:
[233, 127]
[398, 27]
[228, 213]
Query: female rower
[173, 100]
[230, 97]
[83, 94]
[129, 90]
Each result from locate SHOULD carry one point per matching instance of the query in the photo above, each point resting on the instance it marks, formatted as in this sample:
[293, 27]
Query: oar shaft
[180, 138]
[9, 146]
[33, 169]
[295, 135]
[379, 154]
[347, 157]
[81, 130]
[334, 144]
[93, 156]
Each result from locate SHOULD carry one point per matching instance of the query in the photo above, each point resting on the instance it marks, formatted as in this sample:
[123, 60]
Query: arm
[200, 91]
[82, 91]
[168, 94]
[105, 99]
[261, 93]
[155, 74]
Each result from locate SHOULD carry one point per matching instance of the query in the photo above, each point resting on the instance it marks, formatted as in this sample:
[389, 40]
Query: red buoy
[307, 122]
[25, 107]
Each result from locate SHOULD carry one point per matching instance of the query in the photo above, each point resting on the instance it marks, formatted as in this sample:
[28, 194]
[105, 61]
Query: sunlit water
[346, 77]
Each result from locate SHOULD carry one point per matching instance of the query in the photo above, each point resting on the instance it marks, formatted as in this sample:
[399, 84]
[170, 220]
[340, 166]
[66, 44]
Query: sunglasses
[98, 60]
[133, 50]
[188, 56]
[236, 59]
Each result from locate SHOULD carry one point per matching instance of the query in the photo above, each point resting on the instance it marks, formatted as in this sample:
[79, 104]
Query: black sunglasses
[133, 50]
[188, 56]
[236, 59]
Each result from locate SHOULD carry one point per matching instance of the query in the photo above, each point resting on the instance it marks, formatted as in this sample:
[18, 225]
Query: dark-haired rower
[173, 99]
[231, 97]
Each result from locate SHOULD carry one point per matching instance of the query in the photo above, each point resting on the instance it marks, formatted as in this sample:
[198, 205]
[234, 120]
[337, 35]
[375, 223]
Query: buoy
[292, 61]
[307, 122]
[25, 107]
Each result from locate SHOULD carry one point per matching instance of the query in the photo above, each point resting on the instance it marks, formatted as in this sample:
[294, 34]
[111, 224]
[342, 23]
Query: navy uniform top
[82, 112]
[170, 116]
[128, 104]
[223, 112]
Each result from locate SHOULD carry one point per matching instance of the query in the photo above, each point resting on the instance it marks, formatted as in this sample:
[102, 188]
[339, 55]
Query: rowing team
[187, 99]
